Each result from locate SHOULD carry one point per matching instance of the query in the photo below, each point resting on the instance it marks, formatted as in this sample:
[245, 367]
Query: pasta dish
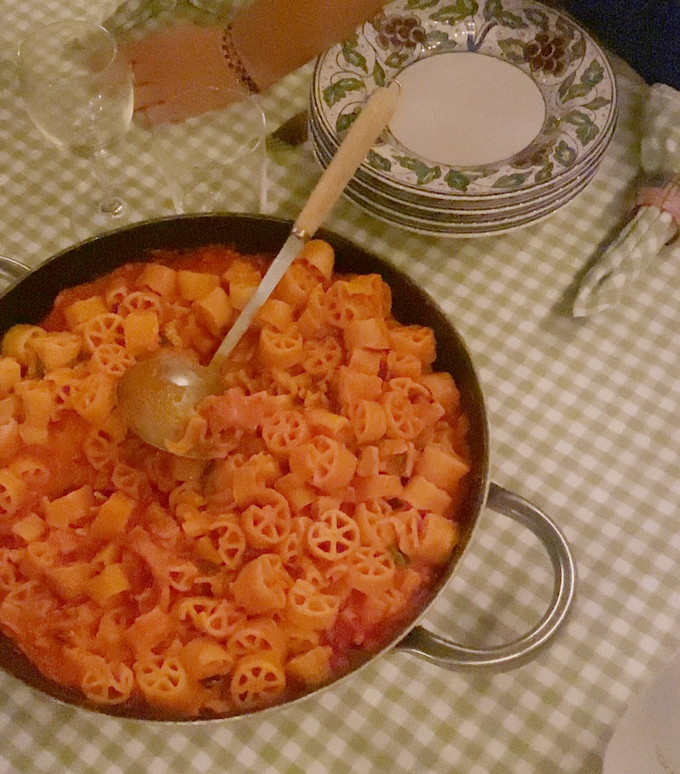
[323, 506]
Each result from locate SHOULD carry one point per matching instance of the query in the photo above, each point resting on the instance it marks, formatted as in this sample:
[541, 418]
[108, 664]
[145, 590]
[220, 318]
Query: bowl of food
[343, 469]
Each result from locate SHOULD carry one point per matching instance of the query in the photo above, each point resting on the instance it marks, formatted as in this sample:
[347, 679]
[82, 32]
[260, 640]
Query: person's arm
[269, 38]
[275, 37]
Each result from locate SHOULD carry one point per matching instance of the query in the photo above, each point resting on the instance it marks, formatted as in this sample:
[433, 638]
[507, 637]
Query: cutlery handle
[358, 141]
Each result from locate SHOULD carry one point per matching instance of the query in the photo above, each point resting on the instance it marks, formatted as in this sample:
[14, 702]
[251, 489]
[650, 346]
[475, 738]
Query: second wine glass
[78, 91]
[215, 161]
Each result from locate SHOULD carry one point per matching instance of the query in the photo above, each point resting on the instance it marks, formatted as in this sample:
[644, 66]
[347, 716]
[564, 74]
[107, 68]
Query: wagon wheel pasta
[337, 463]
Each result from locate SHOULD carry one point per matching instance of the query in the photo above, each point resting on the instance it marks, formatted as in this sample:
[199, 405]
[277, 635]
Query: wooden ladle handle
[360, 138]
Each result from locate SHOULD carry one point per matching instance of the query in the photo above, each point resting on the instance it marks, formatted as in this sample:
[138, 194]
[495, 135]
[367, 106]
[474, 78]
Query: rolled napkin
[656, 220]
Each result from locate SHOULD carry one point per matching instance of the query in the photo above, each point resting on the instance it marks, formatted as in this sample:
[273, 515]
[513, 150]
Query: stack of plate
[506, 111]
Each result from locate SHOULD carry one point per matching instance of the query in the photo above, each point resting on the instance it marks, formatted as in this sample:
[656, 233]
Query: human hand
[172, 68]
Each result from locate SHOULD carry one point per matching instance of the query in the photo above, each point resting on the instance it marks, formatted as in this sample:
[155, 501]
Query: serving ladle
[158, 394]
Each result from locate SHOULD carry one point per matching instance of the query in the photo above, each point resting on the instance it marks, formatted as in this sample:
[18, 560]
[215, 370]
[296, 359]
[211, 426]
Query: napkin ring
[234, 61]
[665, 197]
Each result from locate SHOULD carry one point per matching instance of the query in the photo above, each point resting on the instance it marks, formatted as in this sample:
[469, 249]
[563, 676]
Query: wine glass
[78, 91]
[216, 160]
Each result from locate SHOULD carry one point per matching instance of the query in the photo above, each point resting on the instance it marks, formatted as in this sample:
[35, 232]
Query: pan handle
[502, 658]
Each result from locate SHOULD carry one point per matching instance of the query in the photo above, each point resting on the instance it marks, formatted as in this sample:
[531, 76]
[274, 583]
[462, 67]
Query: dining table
[585, 424]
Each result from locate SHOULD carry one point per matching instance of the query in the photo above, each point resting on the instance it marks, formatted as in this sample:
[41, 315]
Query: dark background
[646, 33]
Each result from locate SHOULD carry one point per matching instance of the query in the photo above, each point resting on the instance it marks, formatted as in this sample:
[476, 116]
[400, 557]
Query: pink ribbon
[665, 197]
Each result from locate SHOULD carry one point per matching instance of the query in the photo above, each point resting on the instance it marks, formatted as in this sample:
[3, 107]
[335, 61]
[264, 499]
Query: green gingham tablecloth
[584, 418]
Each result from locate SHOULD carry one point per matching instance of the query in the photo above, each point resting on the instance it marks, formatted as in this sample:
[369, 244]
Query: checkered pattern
[584, 418]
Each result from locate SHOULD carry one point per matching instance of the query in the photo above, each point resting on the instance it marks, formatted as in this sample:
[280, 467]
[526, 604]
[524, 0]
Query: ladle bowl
[160, 392]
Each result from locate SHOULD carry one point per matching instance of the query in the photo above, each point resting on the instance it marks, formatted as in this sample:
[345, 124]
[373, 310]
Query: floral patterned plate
[461, 216]
[453, 226]
[443, 219]
[545, 62]
[476, 207]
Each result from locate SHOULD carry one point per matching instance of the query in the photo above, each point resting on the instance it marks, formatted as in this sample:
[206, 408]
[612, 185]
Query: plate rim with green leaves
[567, 65]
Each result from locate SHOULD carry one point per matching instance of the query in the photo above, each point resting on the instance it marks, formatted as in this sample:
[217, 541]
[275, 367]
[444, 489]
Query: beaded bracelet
[234, 62]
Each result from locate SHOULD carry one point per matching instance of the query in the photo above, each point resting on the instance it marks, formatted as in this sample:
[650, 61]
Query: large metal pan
[30, 299]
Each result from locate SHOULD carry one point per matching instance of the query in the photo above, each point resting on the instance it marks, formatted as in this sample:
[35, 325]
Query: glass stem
[111, 204]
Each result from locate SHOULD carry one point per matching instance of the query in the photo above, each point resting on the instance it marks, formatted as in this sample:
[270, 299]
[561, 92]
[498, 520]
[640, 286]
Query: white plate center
[466, 109]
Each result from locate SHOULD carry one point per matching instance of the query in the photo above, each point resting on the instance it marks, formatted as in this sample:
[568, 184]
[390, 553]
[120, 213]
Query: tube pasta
[141, 330]
[312, 667]
[242, 279]
[369, 421]
[297, 284]
[10, 373]
[274, 313]
[56, 350]
[371, 333]
[338, 463]
[194, 285]
[214, 311]
[38, 408]
[159, 278]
